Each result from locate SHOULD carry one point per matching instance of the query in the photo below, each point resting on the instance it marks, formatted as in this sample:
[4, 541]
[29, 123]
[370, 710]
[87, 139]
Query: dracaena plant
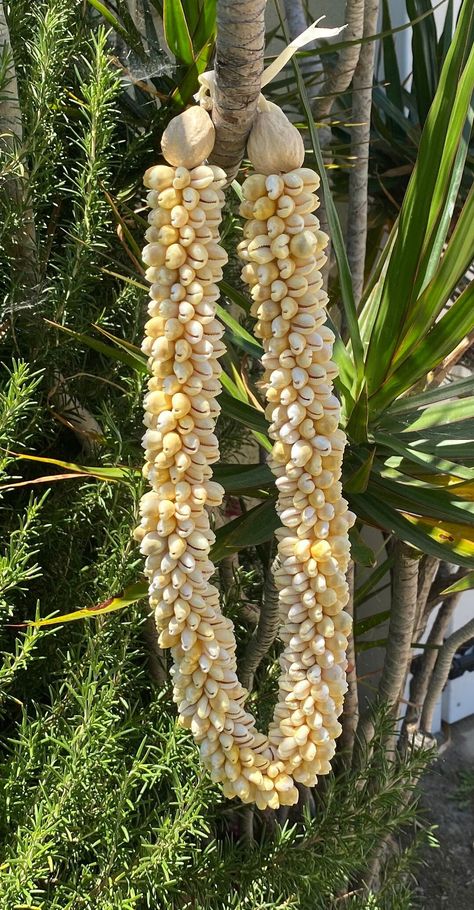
[408, 465]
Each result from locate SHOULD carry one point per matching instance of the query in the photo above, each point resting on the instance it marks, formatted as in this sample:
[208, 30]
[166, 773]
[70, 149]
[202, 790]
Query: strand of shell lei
[183, 343]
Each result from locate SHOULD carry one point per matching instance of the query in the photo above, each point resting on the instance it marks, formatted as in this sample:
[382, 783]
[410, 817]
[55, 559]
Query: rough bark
[10, 112]
[296, 18]
[422, 676]
[429, 567]
[428, 571]
[265, 632]
[339, 76]
[350, 715]
[310, 66]
[441, 672]
[238, 68]
[360, 139]
[156, 655]
[23, 243]
[398, 649]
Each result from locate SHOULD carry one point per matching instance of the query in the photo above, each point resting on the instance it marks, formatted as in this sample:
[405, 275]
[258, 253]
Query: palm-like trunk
[360, 133]
[238, 68]
[10, 112]
[421, 679]
[350, 716]
[339, 76]
[266, 630]
[397, 654]
[441, 672]
[15, 188]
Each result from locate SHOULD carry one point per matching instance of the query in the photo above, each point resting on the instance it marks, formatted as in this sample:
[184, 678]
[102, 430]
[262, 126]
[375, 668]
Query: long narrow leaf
[242, 412]
[130, 595]
[432, 462]
[131, 36]
[120, 355]
[440, 341]
[368, 586]
[426, 536]
[442, 393]
[430, 503]
[176, 29]
[236, 296]
[425, 198]
[463, 584]
[440, 414]
[248, 530]
[424, 48]
[246, 480]
[456, 260]
[238, 335]
[393, 86]
[112, 474]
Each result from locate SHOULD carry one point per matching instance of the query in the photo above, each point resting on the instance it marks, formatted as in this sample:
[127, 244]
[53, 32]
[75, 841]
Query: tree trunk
[399, 639]
[339, 77]
[350, 716]
[441, 672]
[360, 132]
[421, 679]
[310, 66]
[266, 630]
[296, 18]
[429, 566]
[238, 68]
[23, 242]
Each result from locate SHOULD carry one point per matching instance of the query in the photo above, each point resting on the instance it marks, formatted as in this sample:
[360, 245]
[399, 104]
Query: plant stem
[429, 566]
[360, 132]
[421, 678]
[266, 630]
[441, 672]
[297, 23]
[10, 112]
[399, 639]
[350, 715]
[338, 77]
[238, 68]
[23, 243]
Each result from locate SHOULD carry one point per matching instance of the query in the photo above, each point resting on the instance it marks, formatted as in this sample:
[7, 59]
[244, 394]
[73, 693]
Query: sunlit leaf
[130, 595]
[463, 584]
[176, 29]
[423, 205]
[428, 460]
[112, 474]
[427, 536]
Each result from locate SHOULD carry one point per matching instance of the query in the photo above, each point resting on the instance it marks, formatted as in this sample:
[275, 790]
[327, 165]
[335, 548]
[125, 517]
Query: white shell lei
[283, 251]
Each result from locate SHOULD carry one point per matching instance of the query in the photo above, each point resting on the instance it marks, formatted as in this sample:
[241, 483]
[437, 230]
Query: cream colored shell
[189, 138]
[183, 343]
[274, 145]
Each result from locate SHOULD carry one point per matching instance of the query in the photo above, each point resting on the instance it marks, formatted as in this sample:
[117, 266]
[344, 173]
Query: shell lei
[283, 251]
